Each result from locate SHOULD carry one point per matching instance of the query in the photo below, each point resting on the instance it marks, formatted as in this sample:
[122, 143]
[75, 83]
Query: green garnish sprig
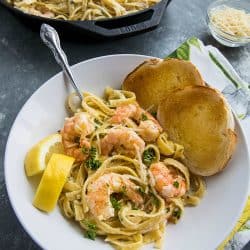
[144, 117]
[177, 213]
[154, 114]
[92, 162]
[148, 156]
[115, 203]
[91, 230]
[176, 184]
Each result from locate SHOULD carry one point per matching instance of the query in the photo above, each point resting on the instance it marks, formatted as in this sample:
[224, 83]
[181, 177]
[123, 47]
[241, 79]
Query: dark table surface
[25, 64]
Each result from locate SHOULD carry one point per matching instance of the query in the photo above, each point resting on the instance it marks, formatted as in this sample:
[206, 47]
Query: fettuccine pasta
[81, 9]
[128, 181]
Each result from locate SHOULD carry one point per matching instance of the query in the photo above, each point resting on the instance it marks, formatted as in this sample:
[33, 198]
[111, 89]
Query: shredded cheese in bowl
[230, 20]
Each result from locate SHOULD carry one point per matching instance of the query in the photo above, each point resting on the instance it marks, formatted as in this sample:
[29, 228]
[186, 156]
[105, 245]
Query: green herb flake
[85, 150]
[90, 225]
[144, 117]
[176, 184]
[115, 203]
[167, 209]
[92, 162]
[148, 156]
[177, 213]
[91, 231]
[141, 191]
[91, 234]
[154, 113]
[155, 201]
[93, 152]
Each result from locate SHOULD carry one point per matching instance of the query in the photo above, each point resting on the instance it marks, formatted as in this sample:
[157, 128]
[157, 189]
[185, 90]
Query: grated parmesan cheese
[232, 21]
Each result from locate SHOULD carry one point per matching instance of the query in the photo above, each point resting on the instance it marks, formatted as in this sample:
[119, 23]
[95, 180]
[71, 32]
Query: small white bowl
[221, 36]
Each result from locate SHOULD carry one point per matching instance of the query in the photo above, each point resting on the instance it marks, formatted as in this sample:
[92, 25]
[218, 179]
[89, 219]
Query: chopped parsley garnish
[154, 113]
[115, 203]
[85, 150]
[92, 162]
[91, 231]
[176, 184]
[155, 201]
[93, 152]
[177, 213]
[141, 191]
[148, 156]
[167, 209]
[144, 117]
[91, 234]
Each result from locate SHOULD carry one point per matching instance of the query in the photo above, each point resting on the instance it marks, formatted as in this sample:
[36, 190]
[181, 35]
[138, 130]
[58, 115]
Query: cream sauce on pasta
[131, 226]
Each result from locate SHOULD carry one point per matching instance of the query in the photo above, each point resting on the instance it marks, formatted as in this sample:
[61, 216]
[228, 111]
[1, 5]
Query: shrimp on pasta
[148, 127]
[98, 197]
[126, 184]
[74, 134]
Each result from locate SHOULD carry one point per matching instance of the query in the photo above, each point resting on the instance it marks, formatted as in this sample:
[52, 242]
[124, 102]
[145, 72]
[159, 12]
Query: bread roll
[155, 79]
[200, 119]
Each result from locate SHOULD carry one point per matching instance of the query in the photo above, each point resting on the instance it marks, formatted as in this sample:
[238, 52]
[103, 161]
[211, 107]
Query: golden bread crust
[155, 79]
[200, 119]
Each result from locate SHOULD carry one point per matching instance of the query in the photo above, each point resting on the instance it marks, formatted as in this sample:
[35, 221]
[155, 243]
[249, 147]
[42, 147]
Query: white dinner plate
[202, 227]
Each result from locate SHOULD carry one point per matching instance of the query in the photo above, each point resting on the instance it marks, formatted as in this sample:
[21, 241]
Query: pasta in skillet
[81, 9]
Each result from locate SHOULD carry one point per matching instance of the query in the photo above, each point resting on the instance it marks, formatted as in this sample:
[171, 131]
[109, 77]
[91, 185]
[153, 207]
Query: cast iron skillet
[115, 27]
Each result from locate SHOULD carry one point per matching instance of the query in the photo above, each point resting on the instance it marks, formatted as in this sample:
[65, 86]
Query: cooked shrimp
[122, 140]
[126, 111]
[74, 134]
[98, 196]
[149, 128]
[168, 183]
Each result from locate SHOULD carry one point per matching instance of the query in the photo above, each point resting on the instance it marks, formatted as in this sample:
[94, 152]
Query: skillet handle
[127, 25]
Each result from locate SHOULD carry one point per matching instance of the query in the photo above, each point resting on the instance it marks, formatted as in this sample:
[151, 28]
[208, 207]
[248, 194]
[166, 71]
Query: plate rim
[43, 85]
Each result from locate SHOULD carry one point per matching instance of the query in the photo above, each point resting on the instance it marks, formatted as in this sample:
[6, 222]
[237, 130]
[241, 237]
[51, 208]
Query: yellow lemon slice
[39, 155]
[52, 182]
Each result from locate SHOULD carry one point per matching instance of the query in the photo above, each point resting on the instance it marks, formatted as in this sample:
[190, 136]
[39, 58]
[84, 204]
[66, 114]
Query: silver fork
[50, 37]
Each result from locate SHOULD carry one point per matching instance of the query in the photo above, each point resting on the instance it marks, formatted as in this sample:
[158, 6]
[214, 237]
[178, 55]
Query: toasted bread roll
[200, 119]
[155, 79]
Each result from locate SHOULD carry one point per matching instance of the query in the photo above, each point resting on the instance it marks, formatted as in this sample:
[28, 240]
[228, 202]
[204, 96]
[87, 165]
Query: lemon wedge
[39, 155]
[52, 182]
